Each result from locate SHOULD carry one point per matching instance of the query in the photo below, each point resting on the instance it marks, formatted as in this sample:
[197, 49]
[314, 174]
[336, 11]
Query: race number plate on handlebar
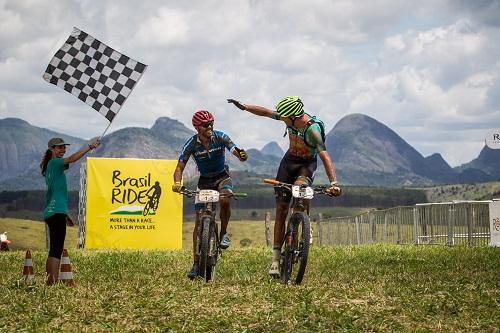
[207, 196]
[302, 192]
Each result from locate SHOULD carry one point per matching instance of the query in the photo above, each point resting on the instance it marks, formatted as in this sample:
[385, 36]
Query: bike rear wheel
[297, 242]
[204, 245]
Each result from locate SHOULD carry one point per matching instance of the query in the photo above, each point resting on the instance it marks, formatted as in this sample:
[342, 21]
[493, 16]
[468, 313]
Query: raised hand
[95, 144]
[238, 104]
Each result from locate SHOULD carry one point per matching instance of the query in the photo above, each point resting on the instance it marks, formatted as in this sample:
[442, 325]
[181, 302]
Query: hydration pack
[312, 120]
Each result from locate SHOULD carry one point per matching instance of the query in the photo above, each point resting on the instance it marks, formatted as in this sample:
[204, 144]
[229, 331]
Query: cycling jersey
[211, 161]
[298, 147]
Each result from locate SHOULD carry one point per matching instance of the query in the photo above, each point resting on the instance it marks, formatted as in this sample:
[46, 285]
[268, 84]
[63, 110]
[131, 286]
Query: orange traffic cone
[28, 272]
[65, 274]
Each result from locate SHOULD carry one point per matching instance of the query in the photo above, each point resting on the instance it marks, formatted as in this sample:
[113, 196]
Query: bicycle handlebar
[271, 181]
[192, 193]
[321, 189]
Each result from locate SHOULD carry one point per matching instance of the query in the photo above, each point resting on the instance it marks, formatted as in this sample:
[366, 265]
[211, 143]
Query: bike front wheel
[146, 209]
[204, 245]
[213, 252]
[297, 242]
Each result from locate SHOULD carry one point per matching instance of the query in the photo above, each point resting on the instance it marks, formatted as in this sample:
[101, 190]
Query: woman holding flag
[55, 213]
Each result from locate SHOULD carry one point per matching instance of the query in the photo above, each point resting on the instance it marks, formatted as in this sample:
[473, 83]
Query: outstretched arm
[254, 109]
[79, 154]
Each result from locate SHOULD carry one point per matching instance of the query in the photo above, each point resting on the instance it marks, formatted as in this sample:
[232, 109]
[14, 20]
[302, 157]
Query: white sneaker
[274, 270]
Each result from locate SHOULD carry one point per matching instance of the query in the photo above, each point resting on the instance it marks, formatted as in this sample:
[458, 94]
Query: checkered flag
[95, 73]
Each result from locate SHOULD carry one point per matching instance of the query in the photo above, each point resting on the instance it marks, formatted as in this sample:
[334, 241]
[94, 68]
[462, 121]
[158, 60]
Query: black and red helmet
[201, 117]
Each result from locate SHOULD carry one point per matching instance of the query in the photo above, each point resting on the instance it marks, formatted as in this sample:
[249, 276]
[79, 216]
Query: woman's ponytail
[45, 160]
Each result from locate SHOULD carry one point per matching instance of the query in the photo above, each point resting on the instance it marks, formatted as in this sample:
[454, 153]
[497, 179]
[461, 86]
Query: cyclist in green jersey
[300, 161]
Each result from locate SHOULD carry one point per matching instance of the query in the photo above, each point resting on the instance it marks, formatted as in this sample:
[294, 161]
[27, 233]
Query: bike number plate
[207, 196]
[302, 192]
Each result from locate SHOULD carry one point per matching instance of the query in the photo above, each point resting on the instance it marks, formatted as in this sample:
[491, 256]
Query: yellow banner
[130, 205]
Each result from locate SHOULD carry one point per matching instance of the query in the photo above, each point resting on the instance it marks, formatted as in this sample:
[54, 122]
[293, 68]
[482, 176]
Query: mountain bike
[207, 238]
[295, 247]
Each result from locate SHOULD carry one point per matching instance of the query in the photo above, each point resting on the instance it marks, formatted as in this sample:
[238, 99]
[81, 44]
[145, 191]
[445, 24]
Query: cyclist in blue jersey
[207, 148]
[307, 142]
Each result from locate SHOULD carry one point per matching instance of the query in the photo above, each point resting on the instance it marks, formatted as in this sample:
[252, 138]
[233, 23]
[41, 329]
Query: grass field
[478, 191]
[346, 289]
[26, 234]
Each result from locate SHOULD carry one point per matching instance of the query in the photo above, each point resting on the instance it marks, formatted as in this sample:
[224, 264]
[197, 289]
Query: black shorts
[289, 170]
[218, 183]
[57, 233]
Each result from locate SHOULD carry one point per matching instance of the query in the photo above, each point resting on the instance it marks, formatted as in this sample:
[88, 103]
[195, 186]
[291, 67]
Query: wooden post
[372, 225]
[451, 222]
[267, 221]
[320, 231]
[415, 225]
[358, 231]
[398, 240]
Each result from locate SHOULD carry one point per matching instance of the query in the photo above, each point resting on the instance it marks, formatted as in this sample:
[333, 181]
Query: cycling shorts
[291, 168]
[218, 183]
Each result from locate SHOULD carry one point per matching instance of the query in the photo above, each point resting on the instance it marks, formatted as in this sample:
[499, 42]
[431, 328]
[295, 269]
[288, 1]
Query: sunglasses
[207, 125]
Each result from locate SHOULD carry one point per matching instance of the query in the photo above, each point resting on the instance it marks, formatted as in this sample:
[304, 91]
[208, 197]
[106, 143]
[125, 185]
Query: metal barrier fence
[451, 223]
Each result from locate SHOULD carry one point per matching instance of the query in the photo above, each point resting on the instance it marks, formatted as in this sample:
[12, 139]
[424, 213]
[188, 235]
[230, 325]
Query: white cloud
[427, 69]
[10, 22]
[395, 42]
[166, 27]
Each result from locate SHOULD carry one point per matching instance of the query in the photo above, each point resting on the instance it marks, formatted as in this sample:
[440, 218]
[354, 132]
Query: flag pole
[100, 137]
[105, 130]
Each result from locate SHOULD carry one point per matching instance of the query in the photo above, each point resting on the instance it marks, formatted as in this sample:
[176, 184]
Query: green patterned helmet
[290, 106]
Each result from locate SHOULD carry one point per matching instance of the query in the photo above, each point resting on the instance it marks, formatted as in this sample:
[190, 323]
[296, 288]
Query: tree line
[29, 204]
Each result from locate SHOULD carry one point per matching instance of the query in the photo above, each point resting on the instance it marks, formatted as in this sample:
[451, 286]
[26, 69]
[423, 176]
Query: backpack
[312, 120]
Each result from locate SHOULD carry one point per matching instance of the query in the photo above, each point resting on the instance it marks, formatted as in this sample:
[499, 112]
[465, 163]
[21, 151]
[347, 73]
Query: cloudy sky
[430, 70]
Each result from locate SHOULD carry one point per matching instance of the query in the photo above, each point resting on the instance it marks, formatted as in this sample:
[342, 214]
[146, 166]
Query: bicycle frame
[207, 237]
[295, 246]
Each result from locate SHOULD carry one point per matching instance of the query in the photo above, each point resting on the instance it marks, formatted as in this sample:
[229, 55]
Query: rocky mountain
[163, 140]
[132, 142]
[257, 162]
[22, 146]
[171, 131]
[365, 152]
[272, 148]
[488, 162]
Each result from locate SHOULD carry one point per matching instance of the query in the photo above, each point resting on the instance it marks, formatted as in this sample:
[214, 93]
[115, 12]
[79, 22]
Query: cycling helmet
[290, 106]
[201, 117]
